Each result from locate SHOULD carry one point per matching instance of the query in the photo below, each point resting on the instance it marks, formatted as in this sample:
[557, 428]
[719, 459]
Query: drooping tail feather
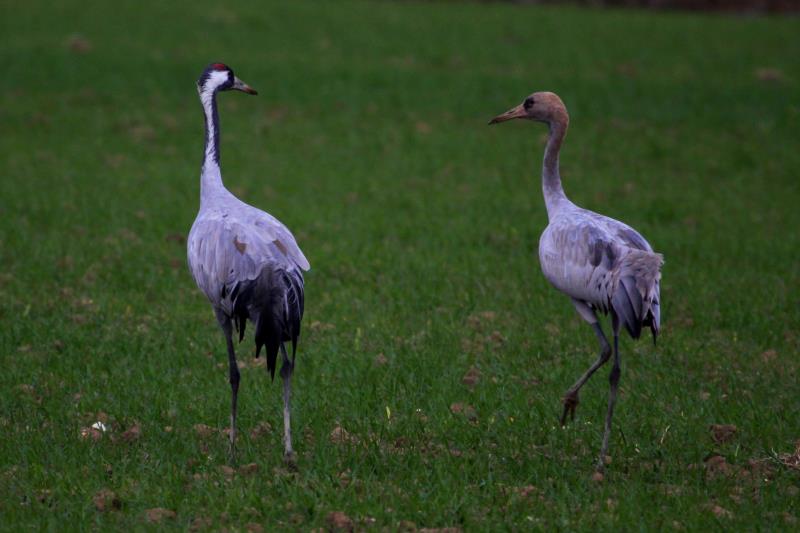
[627, 302]
[274, 303]
[654, 319]
[635, 299]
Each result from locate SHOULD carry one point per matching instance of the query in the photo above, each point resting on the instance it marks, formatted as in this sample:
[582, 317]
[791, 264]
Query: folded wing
[607, 266]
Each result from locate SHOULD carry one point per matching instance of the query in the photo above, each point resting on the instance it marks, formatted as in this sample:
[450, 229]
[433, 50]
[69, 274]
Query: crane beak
[516, 112]
[239, 85]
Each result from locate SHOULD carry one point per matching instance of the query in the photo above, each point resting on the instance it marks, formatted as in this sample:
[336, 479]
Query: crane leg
[613, 379]
[233, 375]
[287, 368]
[570, 399]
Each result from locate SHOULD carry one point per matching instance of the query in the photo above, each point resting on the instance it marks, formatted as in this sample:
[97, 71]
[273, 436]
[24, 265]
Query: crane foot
[570, 401]
[290, 459]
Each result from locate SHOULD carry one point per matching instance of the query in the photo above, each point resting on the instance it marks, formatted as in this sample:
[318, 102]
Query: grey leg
[233, 374]
[571, 396]
[286, 373]
[613, 379]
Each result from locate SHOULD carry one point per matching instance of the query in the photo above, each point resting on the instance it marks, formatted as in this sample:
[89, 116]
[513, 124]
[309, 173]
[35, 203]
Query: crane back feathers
[250, 268]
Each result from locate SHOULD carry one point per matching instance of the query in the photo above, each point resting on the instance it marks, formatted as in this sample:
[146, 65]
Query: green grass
[369, 141]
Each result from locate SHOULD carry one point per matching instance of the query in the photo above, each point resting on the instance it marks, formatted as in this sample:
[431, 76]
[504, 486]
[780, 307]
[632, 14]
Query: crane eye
[528, 102]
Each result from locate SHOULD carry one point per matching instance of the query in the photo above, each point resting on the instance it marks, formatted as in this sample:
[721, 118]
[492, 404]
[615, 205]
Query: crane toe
[290, 460]
[570, 401]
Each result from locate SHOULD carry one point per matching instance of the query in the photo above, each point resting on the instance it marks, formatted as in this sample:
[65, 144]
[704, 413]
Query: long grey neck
[210, 175]
[554, 195]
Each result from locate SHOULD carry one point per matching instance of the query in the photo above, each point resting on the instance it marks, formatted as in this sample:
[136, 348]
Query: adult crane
[245, 261]
[600, 263]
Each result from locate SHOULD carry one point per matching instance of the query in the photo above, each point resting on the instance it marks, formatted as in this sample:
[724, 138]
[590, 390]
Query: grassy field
[369, 141]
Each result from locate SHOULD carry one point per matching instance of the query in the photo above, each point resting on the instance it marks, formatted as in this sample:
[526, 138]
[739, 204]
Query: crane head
[220, 77]
[542, 106]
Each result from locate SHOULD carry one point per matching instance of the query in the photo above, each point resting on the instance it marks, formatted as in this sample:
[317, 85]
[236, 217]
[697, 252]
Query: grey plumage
[249, 267]
[603, 263]
[244, 260]
[600, 263]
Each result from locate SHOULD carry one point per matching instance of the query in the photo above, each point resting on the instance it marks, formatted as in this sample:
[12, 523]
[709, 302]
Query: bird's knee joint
[613, 377]
[605, 354]
[286, 369]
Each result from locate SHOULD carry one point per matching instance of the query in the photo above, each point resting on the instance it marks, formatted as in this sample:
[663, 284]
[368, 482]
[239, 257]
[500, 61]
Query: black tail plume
[274, 302]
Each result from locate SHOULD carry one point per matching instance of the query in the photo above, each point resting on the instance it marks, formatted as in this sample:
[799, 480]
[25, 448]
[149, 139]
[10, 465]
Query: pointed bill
[515, 112]
[239, 85]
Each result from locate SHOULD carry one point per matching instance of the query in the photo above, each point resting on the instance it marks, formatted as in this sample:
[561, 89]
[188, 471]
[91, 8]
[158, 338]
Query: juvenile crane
[246, 262]
[600, 263]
